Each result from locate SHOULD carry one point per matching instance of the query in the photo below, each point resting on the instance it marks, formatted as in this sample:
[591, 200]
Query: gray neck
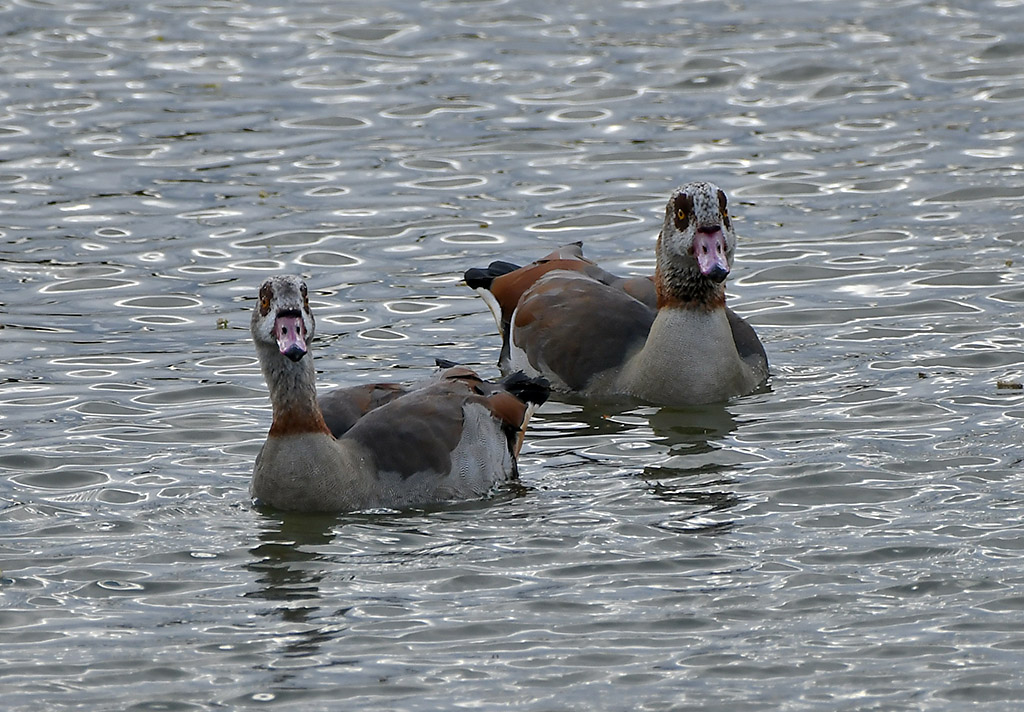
[292, 384]
[300, 466]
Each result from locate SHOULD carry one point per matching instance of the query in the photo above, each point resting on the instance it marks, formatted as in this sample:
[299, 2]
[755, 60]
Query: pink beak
[709, 249]
[290, 333]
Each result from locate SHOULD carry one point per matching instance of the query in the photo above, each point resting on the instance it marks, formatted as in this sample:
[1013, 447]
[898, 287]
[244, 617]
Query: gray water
[852, 538]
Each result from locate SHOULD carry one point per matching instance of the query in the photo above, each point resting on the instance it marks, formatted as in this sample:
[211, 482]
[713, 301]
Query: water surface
[849, 539]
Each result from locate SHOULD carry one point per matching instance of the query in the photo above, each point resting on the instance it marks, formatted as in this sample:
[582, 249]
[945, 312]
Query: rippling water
[851, 538]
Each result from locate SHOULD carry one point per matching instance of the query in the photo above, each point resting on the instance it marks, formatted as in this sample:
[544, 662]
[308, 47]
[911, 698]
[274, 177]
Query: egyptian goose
[381, 445]
[667, 339]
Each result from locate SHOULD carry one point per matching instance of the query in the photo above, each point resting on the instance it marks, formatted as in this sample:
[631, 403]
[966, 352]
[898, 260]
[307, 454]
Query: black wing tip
[478, 278]
[529, 389]
[481, 277]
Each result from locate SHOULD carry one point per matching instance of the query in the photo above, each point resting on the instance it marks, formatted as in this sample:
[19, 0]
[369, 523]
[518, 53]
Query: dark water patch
[197, 394]
[704, 81]
[61, 479]
[106, 408]
[86, 285]
[25, 461]
[584, 222]
[1009, 94]
[1011, 295]
[979, 73]
[779, 189]
[977, 193]
[1002, 51]
[326, 258]
[371, 34]
[640, 156]
[844, 494]
[183, 436]
[286, 239]
[457, 183]
[963, 279]
[333, 82]
[160, 302]
[803, 73]
[807, 273]
[932, 466]
[511, 147]
[984, 692]
[422, 111]
[55, 107]
[372, 55]
[848, 315]
[835, 91]
[505, 19]
[842, 520]
[982, 359]
[886, 554]
[115, 496]
[1016, 237]
[329, 123]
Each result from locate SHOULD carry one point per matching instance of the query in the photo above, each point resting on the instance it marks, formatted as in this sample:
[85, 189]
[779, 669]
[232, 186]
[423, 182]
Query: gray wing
[748, 345]
[342, 407]
[576, 327]
[413, 434]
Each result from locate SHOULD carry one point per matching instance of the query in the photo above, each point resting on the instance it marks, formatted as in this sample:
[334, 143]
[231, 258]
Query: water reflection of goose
[626, 433]
[289, 563]
[669, 339]
[381, 445]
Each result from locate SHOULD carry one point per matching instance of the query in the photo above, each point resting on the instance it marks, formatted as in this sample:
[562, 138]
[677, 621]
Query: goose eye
[682, 214]
[305, 296]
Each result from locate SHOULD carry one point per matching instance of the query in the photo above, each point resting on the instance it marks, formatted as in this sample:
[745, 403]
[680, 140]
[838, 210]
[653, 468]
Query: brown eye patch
[305, 296]
[723, 207]
[682, 206]
[266, 294]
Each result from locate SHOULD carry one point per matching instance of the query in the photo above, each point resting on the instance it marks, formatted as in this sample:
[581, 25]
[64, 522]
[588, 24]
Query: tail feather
[481, 277]
[532, 390]
[529, 389]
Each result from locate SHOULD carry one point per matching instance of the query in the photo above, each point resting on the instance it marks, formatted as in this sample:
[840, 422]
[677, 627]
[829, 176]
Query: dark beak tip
[718, 274]
[295, 353]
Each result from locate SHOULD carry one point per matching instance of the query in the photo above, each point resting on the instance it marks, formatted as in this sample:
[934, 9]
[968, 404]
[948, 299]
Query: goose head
[696, 244]
[281, 318]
